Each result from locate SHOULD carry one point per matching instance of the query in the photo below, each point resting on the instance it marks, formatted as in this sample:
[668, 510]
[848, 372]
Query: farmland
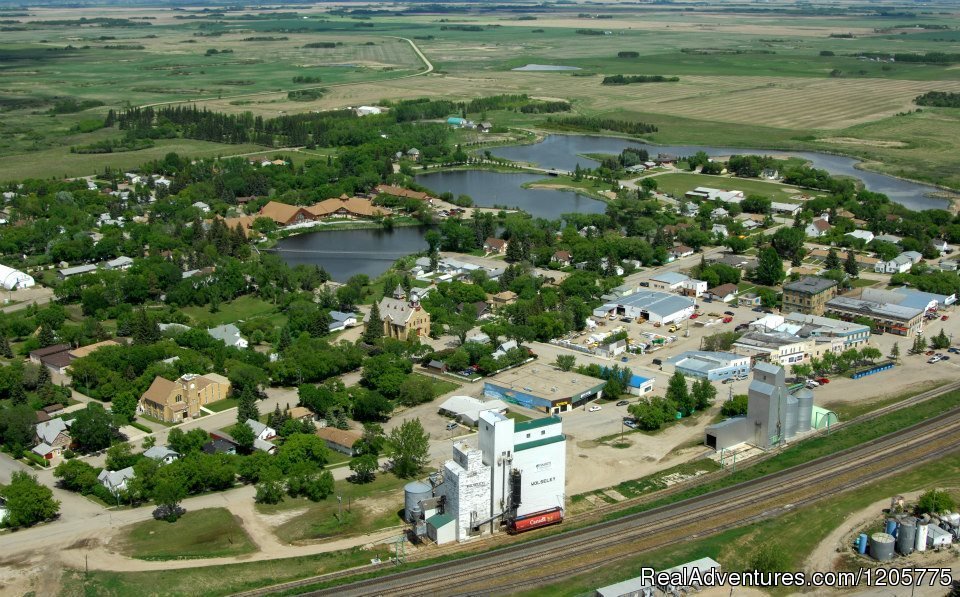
[752, 80]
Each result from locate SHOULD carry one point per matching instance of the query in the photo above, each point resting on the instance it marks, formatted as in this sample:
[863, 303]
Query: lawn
[208, 533]
[677, 184]
[365, 508]
[440, 386]
[242, 308]
[222, 405]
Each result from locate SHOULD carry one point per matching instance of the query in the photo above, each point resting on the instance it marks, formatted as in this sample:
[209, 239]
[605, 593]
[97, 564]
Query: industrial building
[709, 365]
[543, 388]
[650, 305]
[467, 409]
[774, 415]
[647, 586]
[513, 477]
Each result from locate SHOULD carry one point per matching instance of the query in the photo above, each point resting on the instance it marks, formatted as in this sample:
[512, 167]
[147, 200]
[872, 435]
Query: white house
[789, 209]
[899, 264]
[866, 235]
[229, 334]
[120, 263]
[680, 251]
[719, 213]
[720, 229]
[942, 246]
[817, 228]
[116, 481]
[202, 206]
[691, 287]
[161, 454]
[342, 320]
[261, 431]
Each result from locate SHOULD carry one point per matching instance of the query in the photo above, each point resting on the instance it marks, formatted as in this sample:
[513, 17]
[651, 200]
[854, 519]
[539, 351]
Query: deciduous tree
[411, 446]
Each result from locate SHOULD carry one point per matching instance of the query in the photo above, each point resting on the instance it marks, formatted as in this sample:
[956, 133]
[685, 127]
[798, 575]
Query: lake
[489, 189]
[562, 152]
[344, 253]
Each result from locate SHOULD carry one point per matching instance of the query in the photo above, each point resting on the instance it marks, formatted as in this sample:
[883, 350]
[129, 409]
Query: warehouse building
[709, 365]
[516, 470]
[774, 415]
[650, 305]
[467, 409]
[542, 388]
[12, 279]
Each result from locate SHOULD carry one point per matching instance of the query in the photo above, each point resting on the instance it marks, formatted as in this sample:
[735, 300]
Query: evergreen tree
[850, 266]
[5, 350]
[143, 328]
[373, 330]
[285, 340]
[43, 376]
[895, 351]
[46, 337]
[833, 260]
[18, 395]
[919, 344]
[247, 406]
[940, 341]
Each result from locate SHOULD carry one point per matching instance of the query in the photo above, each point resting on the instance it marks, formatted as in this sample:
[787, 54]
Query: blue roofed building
[651, 305]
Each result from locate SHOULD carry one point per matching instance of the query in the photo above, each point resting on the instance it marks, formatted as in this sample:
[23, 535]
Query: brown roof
[57, 360]
[506, 295]
[401, 192]
[40, 352]
[724, 290]
[159, 390]
[338, 436]
[283, 213]
[350, 205]
[245, 222]
[496, 243]
[83, 351]
[682, 249]
[562, 255]
[52, 408]
[299, 412]
[42, 417]
[821, 225]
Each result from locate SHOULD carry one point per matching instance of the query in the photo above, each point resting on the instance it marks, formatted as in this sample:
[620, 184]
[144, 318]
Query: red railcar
[536, 520]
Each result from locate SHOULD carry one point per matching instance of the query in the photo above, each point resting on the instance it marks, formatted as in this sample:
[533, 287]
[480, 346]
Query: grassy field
[365, 508]
[222, 405]
[242, 308]
[208, 533]
[797, 533]
[678, 184]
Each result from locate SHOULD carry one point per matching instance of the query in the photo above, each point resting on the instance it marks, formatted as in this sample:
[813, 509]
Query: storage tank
[891, 528]
[881, 546]
[921, 543]
[953, 518]
[790, 420]
[804, 410]
[907, 536]
[862, 543]
[413, 492]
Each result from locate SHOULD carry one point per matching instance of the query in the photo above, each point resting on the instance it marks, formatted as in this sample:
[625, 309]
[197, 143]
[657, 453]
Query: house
[342, 320]
[817, 228]
[668, 281]
[942, 246]
[79, 353]
[368, 110]
[562, 258]
[116, 481]
[45, 450]
[402, 318]
[177, 401]
[485, 127]
[899, 264]
[502, 299]
[263, 445]
[749, 299]
[724, 292]
[161, 454]
[864, 235]
[495, 245]
[413, 153]
[888, 238]
[680, 251]
[719, 213]
[301, 413]
[949, 266]
[770, 174]
[503, 348]
[218, 445]
[229, 334]
[55, 435]
[37, 356]
[339, 440]
[261, 431]
[436, 365]
[788, 209]
[202, 206]
[720, 229]
[121, 263]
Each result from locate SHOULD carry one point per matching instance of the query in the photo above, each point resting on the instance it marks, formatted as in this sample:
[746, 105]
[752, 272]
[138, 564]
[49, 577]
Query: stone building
[403, 318]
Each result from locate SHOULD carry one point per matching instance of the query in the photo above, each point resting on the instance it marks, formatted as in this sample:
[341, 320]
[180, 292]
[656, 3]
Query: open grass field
[678, 184]
[241, 308]
[209, 533]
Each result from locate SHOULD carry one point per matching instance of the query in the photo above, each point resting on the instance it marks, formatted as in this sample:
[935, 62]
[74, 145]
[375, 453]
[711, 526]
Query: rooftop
[872, 308]
[546, 382]
[536, 423]
[670, 278]
[810, 285]
[544, 441]
[701, 360]
[654, 301]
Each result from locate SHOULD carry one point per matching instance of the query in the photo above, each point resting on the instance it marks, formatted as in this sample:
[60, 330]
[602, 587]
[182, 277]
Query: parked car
[451, 425]
[626, 319]
[694, 316]
[944, 358]
[623, 403]
[644, 284]
[929, 353]
[741, 326]
[822, 380]
[656, 362]
[741, 377]
[631, 424]
[812, 384]
[727, 319]
[730, 313]
[954, 350]
[595, 408]
[623, 359]
[934, 359]
[713, 314]
[944, 317]
[757, 309]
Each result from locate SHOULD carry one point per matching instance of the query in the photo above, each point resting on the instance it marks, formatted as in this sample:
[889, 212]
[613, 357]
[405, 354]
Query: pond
[491, 189]
[563, 152]
[344, 253]
[545, 67]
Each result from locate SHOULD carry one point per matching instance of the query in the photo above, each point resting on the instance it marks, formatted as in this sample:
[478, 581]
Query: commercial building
[402, 318]
[668, 281]
[884, 316]
[650, 305]
[808, 295]
[176, 401]
[773, 417]
[645, 585]
[710, 365]
[12, 279]
[515, 470]
[779, 348]
[467, 409]
[823, 329]
[541, 388]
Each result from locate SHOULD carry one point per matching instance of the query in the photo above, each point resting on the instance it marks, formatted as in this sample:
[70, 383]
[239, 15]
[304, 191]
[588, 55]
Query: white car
[935, 359]
[594, 408]
[813, 384]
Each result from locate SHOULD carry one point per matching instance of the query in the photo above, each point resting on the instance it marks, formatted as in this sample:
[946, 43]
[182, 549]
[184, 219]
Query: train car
[535, 521]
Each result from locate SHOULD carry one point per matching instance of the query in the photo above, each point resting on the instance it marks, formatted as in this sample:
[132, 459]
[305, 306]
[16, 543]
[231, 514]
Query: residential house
[120, 263]
[719, 213]
[161, 454]
[261, 431]
[808, 295]
[864, 235]
[202, 206]
[899, 264]
[888, 238]
[53, 436]
[502, 299]
[724, 292]
[504, 348]
[949, 266]
[817, 228]
[941, 246]
[402, 318]
[485, 127]
[368, 110]
[48, 356]
[301, 413]
[342, 320]
[562, 259]
[495, 245]
[229, 334]
[339, 440]
[116, 481]
[182, 399]
[749, 299]
[720, 229]
[786, 209]
[680, 251]
[438, 366]
[218, 445]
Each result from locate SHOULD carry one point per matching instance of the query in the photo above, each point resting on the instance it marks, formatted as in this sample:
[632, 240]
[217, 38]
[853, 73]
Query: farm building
[542, 388]
[515, 470]
[12, 279]
[650, 305]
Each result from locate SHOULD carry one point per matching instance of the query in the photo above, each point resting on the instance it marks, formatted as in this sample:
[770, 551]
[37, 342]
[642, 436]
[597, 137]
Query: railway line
[505, 569]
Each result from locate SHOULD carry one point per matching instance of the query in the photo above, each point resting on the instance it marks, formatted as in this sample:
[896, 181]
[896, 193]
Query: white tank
[413, 493]
[790, 420]
[921, 542]
[804, 410]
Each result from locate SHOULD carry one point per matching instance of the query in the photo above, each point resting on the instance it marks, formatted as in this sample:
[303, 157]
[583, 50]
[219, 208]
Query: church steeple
[399, 293]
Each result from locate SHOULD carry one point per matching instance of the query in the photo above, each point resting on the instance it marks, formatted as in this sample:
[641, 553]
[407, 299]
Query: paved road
[37, 295]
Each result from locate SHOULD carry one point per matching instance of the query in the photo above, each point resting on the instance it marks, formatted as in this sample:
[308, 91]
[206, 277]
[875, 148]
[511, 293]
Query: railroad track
[622, 538]
[854, 454]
